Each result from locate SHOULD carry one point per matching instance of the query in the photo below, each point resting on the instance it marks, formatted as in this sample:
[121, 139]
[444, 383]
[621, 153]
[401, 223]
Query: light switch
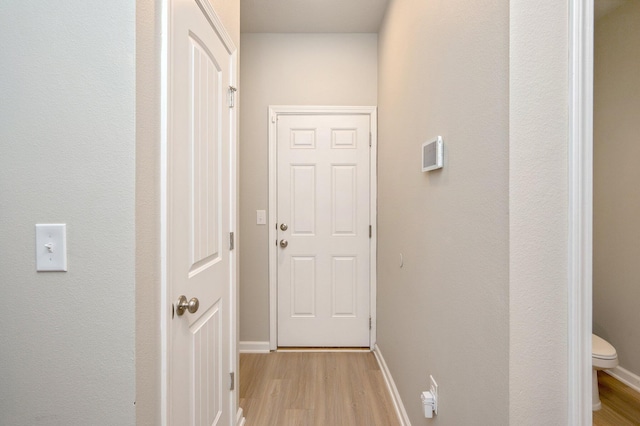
[261, 217]
[51, 247]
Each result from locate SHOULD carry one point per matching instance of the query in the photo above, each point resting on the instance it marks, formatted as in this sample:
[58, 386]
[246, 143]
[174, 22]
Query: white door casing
[200, 211]
[325, 180]
[580, 159]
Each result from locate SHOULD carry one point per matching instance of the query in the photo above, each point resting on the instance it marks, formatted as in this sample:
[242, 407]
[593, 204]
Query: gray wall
[444, 71]
[538, 212]
[67, 154]
[286, 69]
[148, 376]
[616, 214]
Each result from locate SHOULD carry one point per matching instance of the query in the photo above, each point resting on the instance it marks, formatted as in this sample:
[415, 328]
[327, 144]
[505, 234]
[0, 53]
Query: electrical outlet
[433, 387]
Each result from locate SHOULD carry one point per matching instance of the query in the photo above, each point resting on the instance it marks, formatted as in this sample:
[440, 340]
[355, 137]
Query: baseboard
[395, 395]
[626, 377]
[253, 347]
[240, 420]
[320, 349]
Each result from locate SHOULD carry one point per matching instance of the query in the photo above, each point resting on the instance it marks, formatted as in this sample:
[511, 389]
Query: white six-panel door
[199, 209]
[323, 218]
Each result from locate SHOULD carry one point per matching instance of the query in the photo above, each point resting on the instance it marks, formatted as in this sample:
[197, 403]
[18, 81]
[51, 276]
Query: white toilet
[603, 357]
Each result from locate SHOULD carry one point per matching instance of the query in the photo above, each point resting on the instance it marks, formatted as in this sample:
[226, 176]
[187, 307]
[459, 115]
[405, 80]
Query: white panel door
[199, 208]
[323, 230]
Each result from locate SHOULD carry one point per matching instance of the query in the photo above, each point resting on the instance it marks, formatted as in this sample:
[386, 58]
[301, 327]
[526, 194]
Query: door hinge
[232, 96]
[232, 243]
[369, 323]
[370, 231]
[370, 139]
[233, 381]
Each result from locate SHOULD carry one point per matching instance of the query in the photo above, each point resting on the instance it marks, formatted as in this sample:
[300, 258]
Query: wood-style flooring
[314, 388]
[620, 403]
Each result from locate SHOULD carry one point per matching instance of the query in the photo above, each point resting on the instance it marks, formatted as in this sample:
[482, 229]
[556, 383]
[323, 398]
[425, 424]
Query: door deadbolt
[184, 305]
[283, 226]
[284, 243]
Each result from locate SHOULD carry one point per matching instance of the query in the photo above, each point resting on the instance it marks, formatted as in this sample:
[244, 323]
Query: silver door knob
[191, 306]
[284, 243]
[283, 226]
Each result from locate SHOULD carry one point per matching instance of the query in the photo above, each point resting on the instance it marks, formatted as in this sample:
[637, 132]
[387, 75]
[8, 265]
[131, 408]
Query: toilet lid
[601, 348]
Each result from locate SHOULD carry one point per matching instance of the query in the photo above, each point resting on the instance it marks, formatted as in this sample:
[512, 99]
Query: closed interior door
[323, 230]
[198, 220]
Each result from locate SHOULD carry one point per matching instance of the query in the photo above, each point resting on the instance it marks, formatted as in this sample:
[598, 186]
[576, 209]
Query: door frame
[274, 112]
[580, 162]
[166, 131]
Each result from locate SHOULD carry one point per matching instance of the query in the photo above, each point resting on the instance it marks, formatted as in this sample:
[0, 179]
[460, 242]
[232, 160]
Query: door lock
[283, 226]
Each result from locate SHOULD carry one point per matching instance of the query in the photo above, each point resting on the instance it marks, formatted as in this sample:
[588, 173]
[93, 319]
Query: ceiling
[334, 16]
[311, 16]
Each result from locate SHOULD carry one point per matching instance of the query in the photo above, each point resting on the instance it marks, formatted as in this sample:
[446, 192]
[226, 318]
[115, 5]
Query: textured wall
[444, 71]
[67, 154]
[616, 210]
[538, 212]
[286, 69]
[148, 349]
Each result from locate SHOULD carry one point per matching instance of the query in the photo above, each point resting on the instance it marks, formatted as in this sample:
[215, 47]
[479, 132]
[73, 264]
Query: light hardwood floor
[314, 388]
[620, 403]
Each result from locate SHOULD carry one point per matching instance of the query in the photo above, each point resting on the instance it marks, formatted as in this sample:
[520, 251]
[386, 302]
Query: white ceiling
[602, 7]
[334, 16]
[311, 16]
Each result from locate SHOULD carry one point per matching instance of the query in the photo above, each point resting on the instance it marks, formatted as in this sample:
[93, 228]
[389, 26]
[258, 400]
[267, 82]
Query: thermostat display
[432, 154]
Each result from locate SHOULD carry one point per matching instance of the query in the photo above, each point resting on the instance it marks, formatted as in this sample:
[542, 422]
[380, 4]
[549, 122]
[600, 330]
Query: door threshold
[321, 349]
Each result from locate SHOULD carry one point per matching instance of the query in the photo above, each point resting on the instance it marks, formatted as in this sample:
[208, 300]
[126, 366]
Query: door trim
[166, 131]
[274, 111]
[581, 31]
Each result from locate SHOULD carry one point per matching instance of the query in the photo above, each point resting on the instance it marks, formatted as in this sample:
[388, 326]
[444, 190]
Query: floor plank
[314, 388]
[620, 403]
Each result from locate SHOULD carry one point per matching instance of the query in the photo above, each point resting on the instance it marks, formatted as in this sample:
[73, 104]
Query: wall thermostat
[432, 154]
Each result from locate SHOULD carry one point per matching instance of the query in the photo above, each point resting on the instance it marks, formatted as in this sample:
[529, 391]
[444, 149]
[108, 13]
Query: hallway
[314, 388]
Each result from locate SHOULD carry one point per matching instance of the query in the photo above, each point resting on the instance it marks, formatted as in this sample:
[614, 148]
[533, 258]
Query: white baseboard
[395, 395]
[253, 347]
[626, 377]
[240, 420]
[319, 349]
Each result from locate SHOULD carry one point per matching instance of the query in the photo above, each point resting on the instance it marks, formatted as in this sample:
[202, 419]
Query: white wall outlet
[261, 217]
[433, 387]
[427, 404]
[51, 247]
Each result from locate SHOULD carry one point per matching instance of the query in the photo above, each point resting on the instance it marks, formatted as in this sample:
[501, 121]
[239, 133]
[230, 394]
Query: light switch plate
[261, 217]
[51, 247]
